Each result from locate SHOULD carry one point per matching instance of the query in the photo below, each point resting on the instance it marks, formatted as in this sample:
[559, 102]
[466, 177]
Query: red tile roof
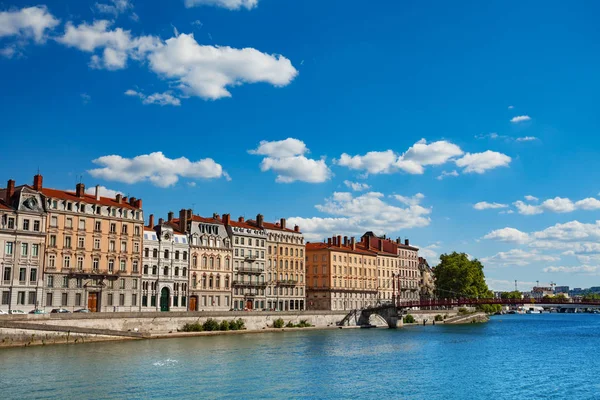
[276, 226]
[4, 206]
[324, 246]
[249, 224]
[198, 218]
[88, 198]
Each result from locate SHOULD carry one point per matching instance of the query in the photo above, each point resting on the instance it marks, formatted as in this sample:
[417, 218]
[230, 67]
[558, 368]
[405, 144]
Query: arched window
[203, 281]
[194, 281]
[166, 271]
[218, 282]
[296, 264]
[227, 263]
[176, 271]
[184, 271]
[154, 270]
[177, 254]
[286, 264]
[280, 263]
[210, 282]
[166, 254]
[204, 261]
[146, 252]
[185, 255]
[227, 282]
[212, 263]
[145, 270]
[218, 262]
[194, 261]
[155, 253]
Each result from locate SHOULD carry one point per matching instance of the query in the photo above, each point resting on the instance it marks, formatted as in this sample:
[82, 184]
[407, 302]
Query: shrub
[304, 324]
[211, 325]
[237, 325]
[463, 310]
[192, 327]
[409, 319]
[224, 325]
[438, 318]
[290, 325]
[278, 323]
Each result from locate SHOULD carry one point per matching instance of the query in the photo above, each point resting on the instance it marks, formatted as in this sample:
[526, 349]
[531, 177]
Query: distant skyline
[467, 126]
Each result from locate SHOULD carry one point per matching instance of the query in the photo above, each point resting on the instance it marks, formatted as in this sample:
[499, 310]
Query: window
[124, 229]
[111, 266]
[79, 263]
[35, 250]
[113, 227]
[77, 299]
[124, 247]
[135, 266]
[111, 245]
[136, 247]
[184, 271]
[136, 231]
[69, 222]
[109, 299]
[32, 298]
[33, 275]
[53, 222]
[177, 254]
[185, 255]
[134, 299]
[36, 226]
[95, 264]
[67, 262]
[22, 274]
[98, 226]
[9, 248]
[79, 283]
[24, 249]
[82, 224]
[25, 228]
[110, 284]
[51, 261]
[96, 244]
[81, 243]
[121, 283]
[166, 254]
[65, 282]
[194, 261]
[64, 299]
[67, 242]
[155, 253]
[49, 299]
[123, 265]
[5, 297]
[134, 284]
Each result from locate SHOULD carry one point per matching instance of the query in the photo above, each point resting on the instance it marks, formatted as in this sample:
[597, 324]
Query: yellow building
[340, 275]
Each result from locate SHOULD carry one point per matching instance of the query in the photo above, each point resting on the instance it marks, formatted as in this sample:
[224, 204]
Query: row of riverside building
[77, 249]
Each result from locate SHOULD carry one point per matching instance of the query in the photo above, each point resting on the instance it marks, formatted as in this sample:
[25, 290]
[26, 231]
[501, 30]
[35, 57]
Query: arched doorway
[164, 299]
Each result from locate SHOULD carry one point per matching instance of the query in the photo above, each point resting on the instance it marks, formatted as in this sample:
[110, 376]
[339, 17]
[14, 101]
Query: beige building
[93, 250]
[340, 275]
[409, 271]
[426, 282]
[211, 277]
[22, 238]
[285, 267]
[388, 266]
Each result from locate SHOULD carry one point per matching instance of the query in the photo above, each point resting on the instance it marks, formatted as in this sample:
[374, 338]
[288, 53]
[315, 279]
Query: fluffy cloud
[446, 174]
[510, 235]
[412, 161]
[156, 168]
[484, 205]
[357, 186]
[229, 4]
[116, 46]
[103, 191]
[162, 99]
[556, 205]
[351, 215]
[480, 162]
[207, 71]
[518, 257]
[410, 200]
[520, 118]
[287, 159]
[116, 8]
[531, 198]
[26, 23]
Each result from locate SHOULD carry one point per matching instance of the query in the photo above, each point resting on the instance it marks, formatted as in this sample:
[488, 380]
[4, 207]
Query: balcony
[249, 284]
[251, 258]
[252, 293]
[251, 270]
[289, 282]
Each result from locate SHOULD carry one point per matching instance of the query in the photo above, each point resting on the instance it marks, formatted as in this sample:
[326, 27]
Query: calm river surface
[549, 356]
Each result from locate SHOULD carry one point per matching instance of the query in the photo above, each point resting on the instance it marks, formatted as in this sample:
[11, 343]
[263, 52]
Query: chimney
[10, 190]
[161, 221]
[37, 182]
[138, 204]
[282, 223]
[215, 216]
[333, 241]
[328, 241]
[241, 219]
[353, 243]
[365, 240]
[80, 190]
[380, 245]
[132, 201]
[406, 242]
[183, 219]
[339, 241]
[345, 240]
[398, 241]
[125, 199]
[97, 193]
[190, 213]
[170, 216]
[151, 221]
[226, 219]
[118, 198]
[296, 228]
[259, 220]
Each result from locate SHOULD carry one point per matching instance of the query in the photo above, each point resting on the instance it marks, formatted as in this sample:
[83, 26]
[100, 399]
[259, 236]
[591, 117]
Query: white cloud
[27, 23]
[481, 162]
[374, 162]
[116, 8]
[520, 118]
[162, 99]
[412, 161]
[582, 269]
[446, 174]
[510, 235]
[287, 159]
[526, 139]
[103, 191]
[484, 205]
[228, 4]
[556, 205]
[357, 186]
[511, 107]
[588, 204]
[154, 167]
[518, 257]
[355, 215]
[410, 200]
[527, 209]
[280, 148]
[506, 212]
[531, 198]
[117, 45]
[207, 71]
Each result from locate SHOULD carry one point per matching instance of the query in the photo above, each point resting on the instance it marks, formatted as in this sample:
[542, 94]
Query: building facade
[165, 267]
[285, 267]
[93, 250]
[388, 266]
[22, 242]
[340, 275]
[249, 246]
[426, 283]
[409, 271]
[211, 278]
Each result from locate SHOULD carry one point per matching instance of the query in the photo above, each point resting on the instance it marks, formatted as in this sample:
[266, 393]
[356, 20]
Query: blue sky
[285, 107]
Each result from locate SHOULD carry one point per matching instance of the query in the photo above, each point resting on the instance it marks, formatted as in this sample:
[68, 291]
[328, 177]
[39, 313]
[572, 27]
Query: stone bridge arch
[387, 315]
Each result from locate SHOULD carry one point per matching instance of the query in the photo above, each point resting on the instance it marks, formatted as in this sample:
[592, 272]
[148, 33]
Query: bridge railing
[474, 302]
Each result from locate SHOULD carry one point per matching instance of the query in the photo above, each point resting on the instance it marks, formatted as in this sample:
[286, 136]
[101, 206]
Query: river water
[548, 356]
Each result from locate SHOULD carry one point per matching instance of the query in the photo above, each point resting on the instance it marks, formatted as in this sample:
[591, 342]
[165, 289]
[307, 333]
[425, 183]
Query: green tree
[457, 276]
[515, 294]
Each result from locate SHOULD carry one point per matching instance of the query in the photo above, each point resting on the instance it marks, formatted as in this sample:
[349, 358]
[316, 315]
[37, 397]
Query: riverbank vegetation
[280, 323]
[408, 319]
[213, 325]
